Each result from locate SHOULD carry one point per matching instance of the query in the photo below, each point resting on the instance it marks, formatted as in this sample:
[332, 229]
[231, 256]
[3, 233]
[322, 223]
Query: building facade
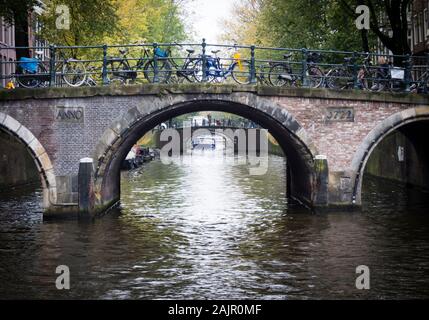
[7, 51]
[419, 27]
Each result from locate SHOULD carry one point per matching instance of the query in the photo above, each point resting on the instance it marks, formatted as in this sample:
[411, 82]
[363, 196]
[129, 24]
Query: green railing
[214, 63]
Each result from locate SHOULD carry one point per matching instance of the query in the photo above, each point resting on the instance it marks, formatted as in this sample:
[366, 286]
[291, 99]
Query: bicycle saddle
[347, 59]
[190, 50]
[287, 56]
[215, 51]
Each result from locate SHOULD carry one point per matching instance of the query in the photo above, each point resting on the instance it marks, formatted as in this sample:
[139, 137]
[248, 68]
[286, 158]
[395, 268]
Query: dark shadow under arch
[378, 134]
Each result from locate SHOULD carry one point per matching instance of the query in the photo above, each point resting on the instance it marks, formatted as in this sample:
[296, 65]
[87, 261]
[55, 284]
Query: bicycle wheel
[368, 79]
[164, 71]
[280, 75]
[315, 77]
[241, 72]
[187, 74]
[26, 79]
[74, 73]
[338, 79]
[198, 72]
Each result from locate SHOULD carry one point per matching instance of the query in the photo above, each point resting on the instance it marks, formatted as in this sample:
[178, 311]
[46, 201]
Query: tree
[90, 21]
[388, 21]
[243, 28]
[322, 24]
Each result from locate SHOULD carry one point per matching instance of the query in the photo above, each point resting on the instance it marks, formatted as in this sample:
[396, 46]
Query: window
[421, 27]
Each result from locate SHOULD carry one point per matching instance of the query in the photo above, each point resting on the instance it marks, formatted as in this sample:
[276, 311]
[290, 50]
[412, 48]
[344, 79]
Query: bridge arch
[43, 163]
[122, 135]
[375, 137]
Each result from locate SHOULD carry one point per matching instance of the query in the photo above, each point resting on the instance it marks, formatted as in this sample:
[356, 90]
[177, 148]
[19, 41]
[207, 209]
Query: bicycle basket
[161, 53]
[28, 64]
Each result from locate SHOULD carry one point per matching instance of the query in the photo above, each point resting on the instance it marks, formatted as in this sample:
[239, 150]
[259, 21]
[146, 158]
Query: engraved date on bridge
[345, 114]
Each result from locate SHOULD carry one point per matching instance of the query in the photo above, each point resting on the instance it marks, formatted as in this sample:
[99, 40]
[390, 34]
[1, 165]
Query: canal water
[205, 229]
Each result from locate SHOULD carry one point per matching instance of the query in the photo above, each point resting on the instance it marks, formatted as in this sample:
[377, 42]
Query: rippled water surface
[206, 229]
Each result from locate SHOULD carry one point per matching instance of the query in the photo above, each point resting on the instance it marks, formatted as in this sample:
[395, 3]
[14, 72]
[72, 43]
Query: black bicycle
[343, 76]
[186, 71]
[121, 71]
[281, 73]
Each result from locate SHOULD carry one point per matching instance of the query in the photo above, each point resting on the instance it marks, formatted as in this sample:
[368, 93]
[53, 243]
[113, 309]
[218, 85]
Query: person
[382, 74]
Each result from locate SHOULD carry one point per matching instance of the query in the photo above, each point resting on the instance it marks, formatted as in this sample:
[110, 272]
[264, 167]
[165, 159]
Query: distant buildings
[418, 28]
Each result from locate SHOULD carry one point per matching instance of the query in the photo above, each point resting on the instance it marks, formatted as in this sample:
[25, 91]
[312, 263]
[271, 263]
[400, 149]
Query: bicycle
[120, 70]
[421, 84]
[343, 77]
[281, 73]
[186, 71]
[31, 73]
[73, 71]
[216, 72]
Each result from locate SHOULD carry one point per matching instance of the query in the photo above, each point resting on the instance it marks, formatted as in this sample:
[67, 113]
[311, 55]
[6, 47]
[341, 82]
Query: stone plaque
[343, 114]
[69, 114]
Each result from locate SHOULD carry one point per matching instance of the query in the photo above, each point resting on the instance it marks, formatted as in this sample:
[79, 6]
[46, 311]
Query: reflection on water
[205, 229]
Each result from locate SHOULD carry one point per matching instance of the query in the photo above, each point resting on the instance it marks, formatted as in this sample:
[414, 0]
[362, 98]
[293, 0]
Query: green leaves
[114, 21]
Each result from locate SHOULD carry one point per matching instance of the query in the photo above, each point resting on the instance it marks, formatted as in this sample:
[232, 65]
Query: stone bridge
[326, 135]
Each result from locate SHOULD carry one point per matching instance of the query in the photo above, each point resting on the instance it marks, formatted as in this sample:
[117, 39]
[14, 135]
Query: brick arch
[37, 152]
[376, 135]
[123, 133]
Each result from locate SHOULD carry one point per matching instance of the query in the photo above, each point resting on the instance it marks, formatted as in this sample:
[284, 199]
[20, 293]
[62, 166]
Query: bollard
[86, 187]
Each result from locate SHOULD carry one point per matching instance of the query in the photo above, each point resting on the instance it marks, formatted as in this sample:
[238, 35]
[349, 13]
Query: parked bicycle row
[197, 63]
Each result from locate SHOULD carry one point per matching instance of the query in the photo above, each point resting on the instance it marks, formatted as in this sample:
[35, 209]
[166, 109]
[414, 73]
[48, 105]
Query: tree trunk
[364, 37]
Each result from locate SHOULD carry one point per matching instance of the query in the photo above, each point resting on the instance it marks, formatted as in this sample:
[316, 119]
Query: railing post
[252, 65]
[155, 64]
[304, 77]
[204, 60]
[52, 63]
[425, 84]
[355, 71]
[407, 75]
[104, 71]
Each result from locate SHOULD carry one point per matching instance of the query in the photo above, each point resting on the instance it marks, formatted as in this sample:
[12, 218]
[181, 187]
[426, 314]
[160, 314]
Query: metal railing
[212, 63]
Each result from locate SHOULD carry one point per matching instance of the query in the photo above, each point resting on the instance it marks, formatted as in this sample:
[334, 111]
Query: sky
[205, 16]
